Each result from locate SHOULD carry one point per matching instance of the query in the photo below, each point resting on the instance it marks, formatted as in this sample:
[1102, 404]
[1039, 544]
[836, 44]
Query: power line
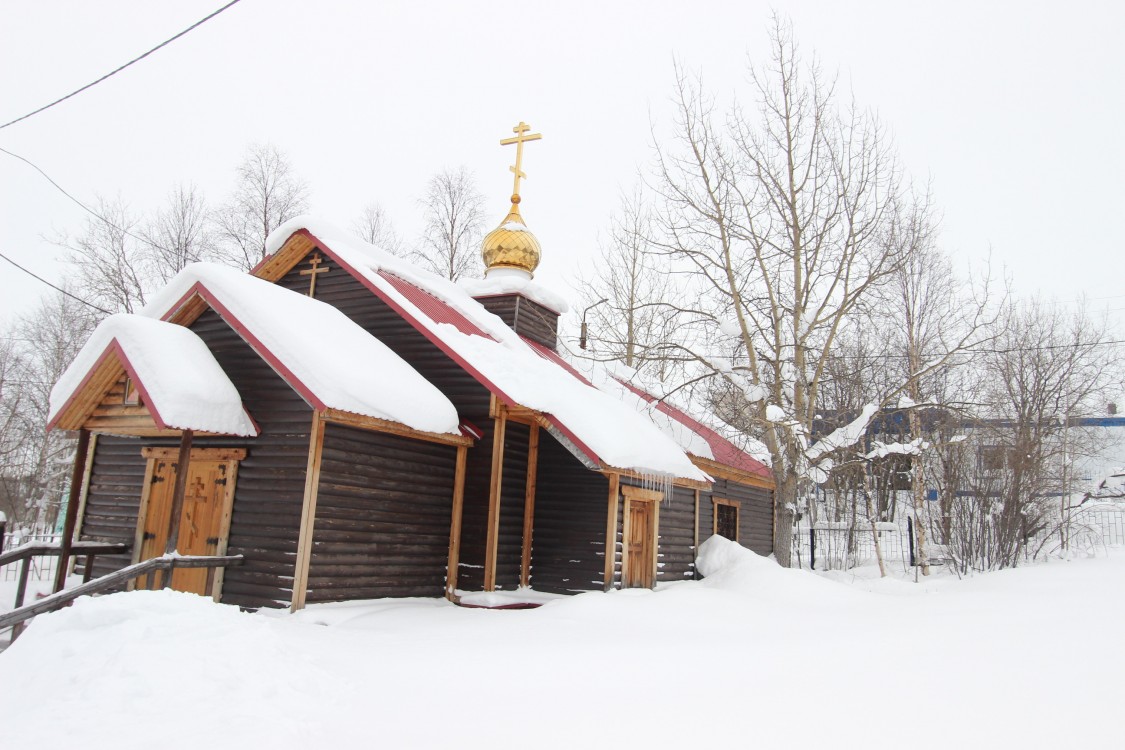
[63, 190]
[56, 288]
[114, 72]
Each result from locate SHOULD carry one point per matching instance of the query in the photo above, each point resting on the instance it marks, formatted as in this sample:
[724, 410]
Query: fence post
[812, 548]
[910, 539]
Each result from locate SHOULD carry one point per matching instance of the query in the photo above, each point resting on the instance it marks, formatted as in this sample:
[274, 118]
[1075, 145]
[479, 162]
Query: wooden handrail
[98, 585]
[45, 549]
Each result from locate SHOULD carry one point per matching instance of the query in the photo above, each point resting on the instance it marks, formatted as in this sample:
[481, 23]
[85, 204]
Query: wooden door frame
[230, 456]
[638, 495]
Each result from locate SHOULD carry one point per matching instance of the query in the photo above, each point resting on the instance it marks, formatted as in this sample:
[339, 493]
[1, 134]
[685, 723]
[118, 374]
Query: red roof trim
[413, 321]
[553, 356]
[725, 452]
[255, 343]
[124, 359]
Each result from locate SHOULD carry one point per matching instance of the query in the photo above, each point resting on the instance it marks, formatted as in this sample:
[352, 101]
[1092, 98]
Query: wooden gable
[99, 403]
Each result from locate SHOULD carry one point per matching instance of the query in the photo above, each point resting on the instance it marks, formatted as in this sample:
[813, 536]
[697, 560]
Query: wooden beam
[611, 530]
[90, 453]
[529, 504]
[455, 524]
[308, 514]
[197, 454]
[375, 424]
[695, 537]
[183, 460]
[693, 484]
[496, 484]
[722, 471]
[79, 471]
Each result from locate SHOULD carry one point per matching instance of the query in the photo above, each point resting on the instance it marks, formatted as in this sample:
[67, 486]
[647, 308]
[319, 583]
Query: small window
[132, 395]
[726, 518]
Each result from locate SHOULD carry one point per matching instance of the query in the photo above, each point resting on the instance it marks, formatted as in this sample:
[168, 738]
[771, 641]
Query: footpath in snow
[752, 656]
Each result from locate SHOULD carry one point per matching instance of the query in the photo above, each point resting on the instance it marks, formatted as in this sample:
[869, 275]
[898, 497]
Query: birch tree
[268, 194]
[374, 226]
[785, 217]
[639, 294]
[453, 210]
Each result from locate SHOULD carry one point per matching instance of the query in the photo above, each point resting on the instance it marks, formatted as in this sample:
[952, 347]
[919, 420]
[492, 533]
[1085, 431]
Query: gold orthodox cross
[315, 262]
[519, 140]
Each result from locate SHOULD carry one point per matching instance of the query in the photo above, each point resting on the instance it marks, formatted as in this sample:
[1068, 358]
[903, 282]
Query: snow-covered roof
[326, 357]
[183, 386]
[608, 431]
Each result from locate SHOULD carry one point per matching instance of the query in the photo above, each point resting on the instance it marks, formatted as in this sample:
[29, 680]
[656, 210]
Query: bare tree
[46, 341]
[1044, 371]
[454, 217]
[110, 258]
[179, 234]
[375, 226]
[637, 315]
[267, 195]
[785, 220]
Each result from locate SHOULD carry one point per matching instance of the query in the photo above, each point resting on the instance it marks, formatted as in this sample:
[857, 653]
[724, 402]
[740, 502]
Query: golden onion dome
[511, 245]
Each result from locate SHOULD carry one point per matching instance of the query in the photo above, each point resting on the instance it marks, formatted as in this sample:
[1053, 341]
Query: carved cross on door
[312, 273]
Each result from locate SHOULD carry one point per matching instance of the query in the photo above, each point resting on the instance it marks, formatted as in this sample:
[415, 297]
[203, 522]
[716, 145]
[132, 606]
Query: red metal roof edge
[710, 435]
[200, 290]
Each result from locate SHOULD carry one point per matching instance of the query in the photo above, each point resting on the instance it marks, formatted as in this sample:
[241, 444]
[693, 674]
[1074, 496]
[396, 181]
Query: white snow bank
[184, 386]
[616, 433]
[317, 349]
[969, 664]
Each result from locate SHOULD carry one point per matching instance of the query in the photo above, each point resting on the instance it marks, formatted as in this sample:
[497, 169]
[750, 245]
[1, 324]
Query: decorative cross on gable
[312, 273]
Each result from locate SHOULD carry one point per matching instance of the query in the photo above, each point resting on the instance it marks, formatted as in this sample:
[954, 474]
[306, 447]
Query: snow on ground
[753, 656]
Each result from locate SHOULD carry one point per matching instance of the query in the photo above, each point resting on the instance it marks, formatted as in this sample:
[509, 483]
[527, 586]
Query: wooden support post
[493, 540]
[695, 539]
[455, 524]
[611, 529]
[76, 477]
[21, 592]
[182, 462]
[308, 514]
[529, 505]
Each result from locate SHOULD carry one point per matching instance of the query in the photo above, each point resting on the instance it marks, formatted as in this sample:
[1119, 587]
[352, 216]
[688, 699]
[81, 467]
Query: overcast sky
[1012, 111]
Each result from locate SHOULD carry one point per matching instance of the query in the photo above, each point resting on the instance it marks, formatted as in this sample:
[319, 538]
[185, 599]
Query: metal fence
[834, 546]
[41, 568]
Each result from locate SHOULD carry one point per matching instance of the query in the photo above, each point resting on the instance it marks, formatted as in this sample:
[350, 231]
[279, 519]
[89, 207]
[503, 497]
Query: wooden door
[638, 564]
[204, 520]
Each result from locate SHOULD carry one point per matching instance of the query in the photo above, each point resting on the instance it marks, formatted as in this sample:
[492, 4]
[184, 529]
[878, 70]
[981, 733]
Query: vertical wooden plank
[529, 504]
[611, 530]
[455, 523]
[183, 466]
[695, 538]
[654, 519]
[79, 470]
[308, 513]
[142, 519]
[215, 582]
[493, 538]
[183, 463]
[90, 453]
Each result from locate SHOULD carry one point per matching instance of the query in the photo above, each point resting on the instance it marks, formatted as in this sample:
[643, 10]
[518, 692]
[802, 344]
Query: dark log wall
[755, 514]
[513, 494]
[382, 517]
[525, 317]
[471, 398]
[269, 491]
[676, 551]
[113, 498]
[568, 547]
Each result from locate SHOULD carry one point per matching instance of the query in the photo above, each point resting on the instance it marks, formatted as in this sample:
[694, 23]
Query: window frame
[716, 503]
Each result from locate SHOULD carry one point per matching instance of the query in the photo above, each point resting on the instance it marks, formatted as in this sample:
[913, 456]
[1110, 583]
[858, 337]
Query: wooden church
[357, 428]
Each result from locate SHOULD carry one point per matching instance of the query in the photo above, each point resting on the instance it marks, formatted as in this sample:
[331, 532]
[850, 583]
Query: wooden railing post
[72, 507]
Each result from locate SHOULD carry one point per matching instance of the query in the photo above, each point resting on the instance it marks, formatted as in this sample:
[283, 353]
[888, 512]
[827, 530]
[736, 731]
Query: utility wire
[63, 190]
[114, 72]
[56, 288]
